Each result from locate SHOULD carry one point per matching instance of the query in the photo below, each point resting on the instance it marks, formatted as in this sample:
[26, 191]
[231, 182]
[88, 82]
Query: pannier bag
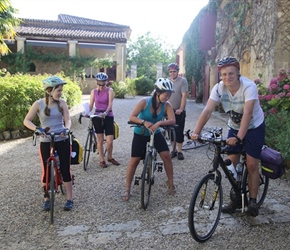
[116, 130]
[272, 163]
[77, 152]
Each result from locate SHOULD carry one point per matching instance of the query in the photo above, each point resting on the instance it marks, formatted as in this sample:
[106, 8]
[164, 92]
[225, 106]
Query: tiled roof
[72, 27]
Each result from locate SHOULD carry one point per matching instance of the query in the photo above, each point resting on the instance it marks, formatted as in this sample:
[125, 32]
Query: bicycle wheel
[205, 208]
[88, 148]
[146, 180]
[263, 187]
[52, 191]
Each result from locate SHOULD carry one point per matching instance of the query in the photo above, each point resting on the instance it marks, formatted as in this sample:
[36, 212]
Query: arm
[182, 103]
[246, 119]
[203, 118]
[30, 116]
[111, 98]
[136, 111]
[66, 116]
[92, 100]
[168, 110]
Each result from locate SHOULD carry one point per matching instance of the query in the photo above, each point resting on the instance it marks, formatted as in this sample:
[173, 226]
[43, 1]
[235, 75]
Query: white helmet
[101, 76]
[164, 84]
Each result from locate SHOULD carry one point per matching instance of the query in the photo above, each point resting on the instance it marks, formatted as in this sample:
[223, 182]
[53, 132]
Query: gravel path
[100, 220]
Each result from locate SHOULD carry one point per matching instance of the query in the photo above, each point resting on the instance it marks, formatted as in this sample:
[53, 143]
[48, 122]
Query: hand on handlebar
[232, 141]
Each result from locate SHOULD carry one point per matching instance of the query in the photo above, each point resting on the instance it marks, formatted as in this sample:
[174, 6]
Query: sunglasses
[173, 71]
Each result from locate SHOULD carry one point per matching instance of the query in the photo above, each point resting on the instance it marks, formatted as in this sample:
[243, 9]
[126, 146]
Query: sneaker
[231, 208]
[180, 156]
[253, 208]
[114, 162]
[173, 154]
[103, 164]
[46, 205]
[68, 205]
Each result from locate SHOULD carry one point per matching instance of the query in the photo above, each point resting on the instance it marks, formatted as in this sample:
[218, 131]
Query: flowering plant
[277, 96]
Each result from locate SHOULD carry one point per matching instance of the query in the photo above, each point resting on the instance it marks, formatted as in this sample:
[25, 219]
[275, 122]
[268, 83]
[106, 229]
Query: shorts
[253, 141]
[104, 125]
[139, 143]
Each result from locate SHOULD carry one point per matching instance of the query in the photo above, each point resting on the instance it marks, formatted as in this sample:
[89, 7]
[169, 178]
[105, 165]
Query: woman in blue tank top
[53, 113]
[149, 111]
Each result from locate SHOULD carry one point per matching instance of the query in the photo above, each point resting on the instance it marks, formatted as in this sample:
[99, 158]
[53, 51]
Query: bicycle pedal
[136, 181]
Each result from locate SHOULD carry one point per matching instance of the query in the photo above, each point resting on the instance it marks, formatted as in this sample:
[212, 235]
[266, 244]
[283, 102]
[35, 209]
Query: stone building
[73, 36]
[256, 32]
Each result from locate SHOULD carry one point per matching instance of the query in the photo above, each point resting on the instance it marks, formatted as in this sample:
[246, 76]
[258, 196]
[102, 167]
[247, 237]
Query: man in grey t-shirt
[178, 102]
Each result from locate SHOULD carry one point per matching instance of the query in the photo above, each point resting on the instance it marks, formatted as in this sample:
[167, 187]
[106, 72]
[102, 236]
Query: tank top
[102, 101]
[54, 121]
[146, 115]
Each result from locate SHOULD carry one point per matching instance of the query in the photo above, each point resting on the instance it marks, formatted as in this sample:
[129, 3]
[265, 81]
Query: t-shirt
[234, 105]
[180, 86]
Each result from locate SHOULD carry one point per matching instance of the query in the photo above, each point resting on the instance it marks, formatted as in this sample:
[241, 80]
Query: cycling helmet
[52, 81]
[228, 61]
[173, 66]
[163, 84]
[102, 76]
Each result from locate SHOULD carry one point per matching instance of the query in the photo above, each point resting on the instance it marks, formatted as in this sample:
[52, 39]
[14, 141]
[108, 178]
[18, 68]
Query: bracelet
[239, 139]
[105, 113]
[142, 123]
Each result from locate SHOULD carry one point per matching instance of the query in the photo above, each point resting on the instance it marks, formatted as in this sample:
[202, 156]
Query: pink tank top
[102, 101]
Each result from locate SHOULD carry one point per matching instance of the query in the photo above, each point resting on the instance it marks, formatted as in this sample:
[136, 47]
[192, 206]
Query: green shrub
[144, 85]
[19, 92]
[120, 89]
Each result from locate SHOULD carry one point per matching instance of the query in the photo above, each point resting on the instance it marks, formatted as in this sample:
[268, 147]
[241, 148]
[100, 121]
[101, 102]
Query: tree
[7, 23]
[147, 52]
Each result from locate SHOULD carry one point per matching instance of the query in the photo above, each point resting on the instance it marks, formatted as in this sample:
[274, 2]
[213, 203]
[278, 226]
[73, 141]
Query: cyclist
[239, 98]
[178, 102]
[149, 111]
[53, 113]
[102, 97]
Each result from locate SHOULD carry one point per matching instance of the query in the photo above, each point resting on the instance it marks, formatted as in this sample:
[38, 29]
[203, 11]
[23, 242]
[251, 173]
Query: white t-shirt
[234, 105]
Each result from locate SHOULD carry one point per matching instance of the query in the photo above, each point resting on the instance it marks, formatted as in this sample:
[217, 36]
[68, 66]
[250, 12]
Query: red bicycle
[54, 181]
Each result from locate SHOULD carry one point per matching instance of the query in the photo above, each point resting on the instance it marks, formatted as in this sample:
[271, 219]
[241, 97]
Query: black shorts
[139, 143]
[104, 125]
[179, 130]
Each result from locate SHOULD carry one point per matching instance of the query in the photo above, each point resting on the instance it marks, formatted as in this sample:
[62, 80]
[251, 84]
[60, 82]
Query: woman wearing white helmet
[102, 98]
[53, 113]
[149, 111]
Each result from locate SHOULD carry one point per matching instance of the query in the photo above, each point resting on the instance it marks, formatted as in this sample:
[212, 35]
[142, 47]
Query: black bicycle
[207, 197]
[91, 140]
[151, 164]
[170, 136]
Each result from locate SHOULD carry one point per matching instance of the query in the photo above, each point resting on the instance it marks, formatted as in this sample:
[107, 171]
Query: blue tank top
[146, 115]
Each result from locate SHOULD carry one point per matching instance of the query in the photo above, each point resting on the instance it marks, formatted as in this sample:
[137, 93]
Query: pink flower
[273, 111]
[273, 87]
[282, 72]
[257, 81]
[288, 94]
[273, 81]
[279, 95]
[286, 87]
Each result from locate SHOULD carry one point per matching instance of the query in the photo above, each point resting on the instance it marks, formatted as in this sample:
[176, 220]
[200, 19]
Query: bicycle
[207, 197]
[190, 144]
[91, 140]
[150, 166]
[54, 180]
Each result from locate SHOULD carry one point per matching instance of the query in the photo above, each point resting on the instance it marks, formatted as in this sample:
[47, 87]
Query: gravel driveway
[100, 220]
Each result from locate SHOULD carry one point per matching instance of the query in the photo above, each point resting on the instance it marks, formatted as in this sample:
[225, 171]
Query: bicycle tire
[203, 214]
[52, 191]
[87, 149]
[263, 187]
[146, 180]
[170, 138]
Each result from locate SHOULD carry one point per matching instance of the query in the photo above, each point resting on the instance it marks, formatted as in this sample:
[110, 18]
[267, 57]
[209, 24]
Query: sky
[165, 19]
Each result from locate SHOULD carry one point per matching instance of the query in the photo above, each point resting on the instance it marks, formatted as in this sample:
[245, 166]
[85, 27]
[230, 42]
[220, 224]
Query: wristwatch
[142, 123]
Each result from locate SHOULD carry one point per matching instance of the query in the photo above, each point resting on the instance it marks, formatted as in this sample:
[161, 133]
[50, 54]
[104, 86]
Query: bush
[144, 85]
[19, 92]
[275, 102]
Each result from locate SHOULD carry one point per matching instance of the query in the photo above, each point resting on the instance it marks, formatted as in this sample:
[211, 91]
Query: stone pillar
[72, 47]
[121, 61]
[133, 70]
[159, 70]
[20, 44]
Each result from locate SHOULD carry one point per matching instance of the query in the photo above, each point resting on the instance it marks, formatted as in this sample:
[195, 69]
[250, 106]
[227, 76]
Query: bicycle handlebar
[162, 126]
[51, 134]
[88, 116]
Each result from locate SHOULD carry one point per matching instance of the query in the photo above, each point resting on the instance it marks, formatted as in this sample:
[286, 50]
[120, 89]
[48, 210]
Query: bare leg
[254, 176]
[165, 156]
[100, 141]
[109, 142]
[68, 188]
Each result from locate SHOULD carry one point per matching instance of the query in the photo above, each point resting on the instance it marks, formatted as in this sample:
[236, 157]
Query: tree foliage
[7, 23]
[147, 52]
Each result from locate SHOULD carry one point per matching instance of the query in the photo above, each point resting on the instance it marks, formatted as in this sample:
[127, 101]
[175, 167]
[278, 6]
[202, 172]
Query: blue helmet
[101, 76]
[52, 81]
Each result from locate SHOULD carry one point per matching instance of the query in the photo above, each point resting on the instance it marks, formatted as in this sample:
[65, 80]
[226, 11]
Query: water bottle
[57, 158]
[231, 168]
[239, 169]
